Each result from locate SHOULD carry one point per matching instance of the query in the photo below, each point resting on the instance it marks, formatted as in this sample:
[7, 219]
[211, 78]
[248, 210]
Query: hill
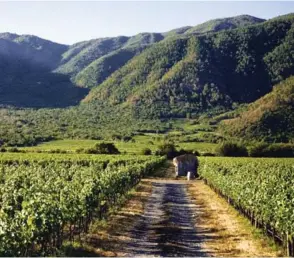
[271, 118]
[216, 25]
[31, 48]
[26, 79]
[93, 73]
[39, 73]
[224, 24]
[193, 74]
[137, 84]
[92, 66]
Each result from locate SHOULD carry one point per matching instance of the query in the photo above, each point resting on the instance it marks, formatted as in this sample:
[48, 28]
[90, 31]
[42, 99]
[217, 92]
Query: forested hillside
[43, 52]
[39, 73]
[26, 79]
[93, 64]
[193, 74]
[131, 84]
[224, 24]
[271, 118]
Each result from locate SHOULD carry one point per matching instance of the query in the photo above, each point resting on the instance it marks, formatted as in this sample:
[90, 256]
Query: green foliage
[97, 71]
[80, 55]
[269, 119]
[96, 121]
[9, 158]
[103, 148]
[208, 154]
[40, 200]
[231, 149]
[271, 150]
[13, 149]
[257, 149]
[183, 151]
[144, 80]
[260, 188]
[224, 24]
[25, 84]
[216, 25]
[89, 63]
[193, 74]
[146, 151]
[26, 79]
[167, 149]
[27, 47]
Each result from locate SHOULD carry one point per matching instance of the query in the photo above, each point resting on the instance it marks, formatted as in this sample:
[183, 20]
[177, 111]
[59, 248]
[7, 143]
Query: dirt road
[168, 217]
[167, 226]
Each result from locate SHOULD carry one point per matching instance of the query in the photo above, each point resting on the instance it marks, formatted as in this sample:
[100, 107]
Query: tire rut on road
[167, 226]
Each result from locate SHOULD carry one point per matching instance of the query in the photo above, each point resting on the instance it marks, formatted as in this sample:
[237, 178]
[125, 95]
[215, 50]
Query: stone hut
[185, 163]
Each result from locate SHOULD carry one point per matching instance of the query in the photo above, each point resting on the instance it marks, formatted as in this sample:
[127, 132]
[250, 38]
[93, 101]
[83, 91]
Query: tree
[104, 148]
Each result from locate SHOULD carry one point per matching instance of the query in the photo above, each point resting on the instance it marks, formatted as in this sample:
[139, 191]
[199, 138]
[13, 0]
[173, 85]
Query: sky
[70, 22]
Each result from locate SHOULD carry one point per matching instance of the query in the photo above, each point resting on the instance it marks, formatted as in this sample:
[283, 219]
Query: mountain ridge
[51, 65]
[139, 83]
[221, 68]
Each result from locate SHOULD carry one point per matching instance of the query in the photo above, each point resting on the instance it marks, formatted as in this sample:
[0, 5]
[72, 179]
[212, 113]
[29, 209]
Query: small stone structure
[186, 163]
[190, 175]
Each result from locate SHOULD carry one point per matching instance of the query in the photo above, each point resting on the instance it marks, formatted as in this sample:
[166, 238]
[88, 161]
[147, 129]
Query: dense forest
[196, 73]
[116, 87]
[35, 72]
[270, 118]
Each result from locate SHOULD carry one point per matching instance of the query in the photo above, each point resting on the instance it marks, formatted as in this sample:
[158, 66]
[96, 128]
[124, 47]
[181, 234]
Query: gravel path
[167, 226]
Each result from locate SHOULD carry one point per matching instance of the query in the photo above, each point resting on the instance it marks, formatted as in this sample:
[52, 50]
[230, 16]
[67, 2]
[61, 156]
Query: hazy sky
[70, 22]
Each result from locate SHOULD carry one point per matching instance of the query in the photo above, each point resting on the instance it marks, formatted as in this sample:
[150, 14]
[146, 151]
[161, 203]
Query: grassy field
[136, 146]
[185, 134]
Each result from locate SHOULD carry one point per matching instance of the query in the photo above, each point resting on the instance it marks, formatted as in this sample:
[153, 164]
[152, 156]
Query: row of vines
[43, 203]
[262, 189]
[82, 159]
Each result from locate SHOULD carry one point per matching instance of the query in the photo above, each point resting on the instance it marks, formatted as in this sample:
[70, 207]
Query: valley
[88, 132]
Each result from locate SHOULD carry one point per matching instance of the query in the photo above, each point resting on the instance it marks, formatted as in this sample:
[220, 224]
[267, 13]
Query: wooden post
[287, 244]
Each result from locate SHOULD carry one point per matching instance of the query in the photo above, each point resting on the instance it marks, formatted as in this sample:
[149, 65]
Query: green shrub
[146, 151]
[272, 150]
[257, 150]
[103, 148]
[231, 149]
[208, 154]
[14, 149]
[182, 152]
[58, 151]
[196, 153]
[126, 138]
[167, 149]
[81, 150]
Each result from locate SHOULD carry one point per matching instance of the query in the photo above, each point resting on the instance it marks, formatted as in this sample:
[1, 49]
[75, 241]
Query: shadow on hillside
[40, 89]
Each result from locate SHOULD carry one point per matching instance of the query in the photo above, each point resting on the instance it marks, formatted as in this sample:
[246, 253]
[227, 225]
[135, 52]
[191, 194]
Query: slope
[224, 24]
[199, 73]
[271, 118]
[89, 63]
[26, 79]
[39, 73]
[31, 48]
